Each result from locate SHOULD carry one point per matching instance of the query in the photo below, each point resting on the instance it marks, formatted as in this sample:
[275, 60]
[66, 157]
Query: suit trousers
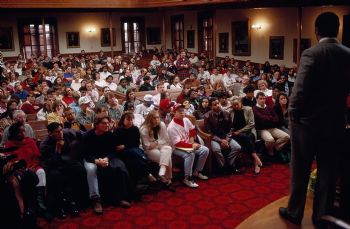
[309, 141]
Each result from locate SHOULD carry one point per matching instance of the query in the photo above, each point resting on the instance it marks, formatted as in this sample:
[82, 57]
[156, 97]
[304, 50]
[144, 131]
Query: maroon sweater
[265, 118]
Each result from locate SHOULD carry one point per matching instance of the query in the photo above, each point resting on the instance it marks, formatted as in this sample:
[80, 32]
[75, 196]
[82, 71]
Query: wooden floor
[268, 217]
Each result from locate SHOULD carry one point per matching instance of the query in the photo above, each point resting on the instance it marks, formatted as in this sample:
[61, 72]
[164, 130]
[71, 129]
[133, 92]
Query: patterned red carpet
[222, 202]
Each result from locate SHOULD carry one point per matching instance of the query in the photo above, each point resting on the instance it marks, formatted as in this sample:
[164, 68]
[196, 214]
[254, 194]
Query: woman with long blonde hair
[157, 147]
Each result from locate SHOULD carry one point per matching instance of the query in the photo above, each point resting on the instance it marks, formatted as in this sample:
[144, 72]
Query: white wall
[274, 22]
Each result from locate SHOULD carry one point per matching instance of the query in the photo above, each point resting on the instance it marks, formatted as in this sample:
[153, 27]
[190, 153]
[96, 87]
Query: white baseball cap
[84, 100]
[148, 98]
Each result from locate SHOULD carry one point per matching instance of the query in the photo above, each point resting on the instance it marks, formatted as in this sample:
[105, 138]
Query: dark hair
[248, 88]
[327, 24]
[278, 98]
[128, 105]
[82, 88]
[211, 100]
[128, 92]
[276, 86]
[260, 94]
[99, 118]
[14, 130]
[125, 115]
[53, 126]
[67, 109]
[163, 95]
[222, 94]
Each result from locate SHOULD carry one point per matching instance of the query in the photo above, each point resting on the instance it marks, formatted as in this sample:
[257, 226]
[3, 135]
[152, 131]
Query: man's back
[322, 84]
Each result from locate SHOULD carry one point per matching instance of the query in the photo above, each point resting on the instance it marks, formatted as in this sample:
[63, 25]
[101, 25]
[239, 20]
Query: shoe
[61, 214]
[124, 204]
[97, 205]
[287, 216]
[151, 178]
[73, 209]
[169, 186]
[257, 170]
[190, 183]
[200, 176]
[237, 171]
[41, 207]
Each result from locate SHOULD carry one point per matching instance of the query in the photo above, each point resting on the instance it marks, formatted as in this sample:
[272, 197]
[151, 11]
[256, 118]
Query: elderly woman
[263, 87]
[155, 142]
[243, 130]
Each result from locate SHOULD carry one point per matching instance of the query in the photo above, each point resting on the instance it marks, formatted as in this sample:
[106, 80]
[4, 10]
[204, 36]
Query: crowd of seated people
[102, 137]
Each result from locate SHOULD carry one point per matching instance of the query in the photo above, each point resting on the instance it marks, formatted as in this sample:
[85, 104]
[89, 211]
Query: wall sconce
[90, 30]
[256, 26]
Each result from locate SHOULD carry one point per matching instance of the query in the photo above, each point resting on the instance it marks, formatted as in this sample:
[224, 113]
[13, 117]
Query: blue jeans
[189, 157]
[230, 157]
[91, 172]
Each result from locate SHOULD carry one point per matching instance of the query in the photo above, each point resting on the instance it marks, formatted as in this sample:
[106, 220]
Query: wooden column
[44, 36]
[299, 28]
[214, 37]
[111, 33]
[163, 30]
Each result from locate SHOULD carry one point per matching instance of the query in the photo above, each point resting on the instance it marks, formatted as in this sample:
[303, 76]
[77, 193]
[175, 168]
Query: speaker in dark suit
[317, 120]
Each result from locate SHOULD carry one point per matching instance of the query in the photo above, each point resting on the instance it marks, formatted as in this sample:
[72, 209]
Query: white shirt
[194, 60]
[174, 86]
[143, 110]
[229, 80]
[112, 86]
[178, 133]
[214, 78]
[104, 75]
[267, 92]
[205, 75]
[100, 83]
[138, 120]
[75, 86]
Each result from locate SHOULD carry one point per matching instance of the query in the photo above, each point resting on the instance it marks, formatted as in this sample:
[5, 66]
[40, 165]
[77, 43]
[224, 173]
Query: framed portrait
[73, 39]
[305, 43]
[106, 37]
[276, 48]
[241, 38]
[153, 35]
[6, 39]
[190, 39]
[223, 42]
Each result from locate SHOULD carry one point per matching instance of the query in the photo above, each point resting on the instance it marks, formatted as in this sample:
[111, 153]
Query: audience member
[217, 122]
[267, 123]
[182, 135]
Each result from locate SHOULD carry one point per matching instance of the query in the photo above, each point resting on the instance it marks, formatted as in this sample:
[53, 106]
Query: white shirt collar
[260, 106]
[326, 38]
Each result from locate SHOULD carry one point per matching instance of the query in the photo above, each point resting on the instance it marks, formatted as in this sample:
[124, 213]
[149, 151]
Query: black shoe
[73, 209]
[287, 216]
[237, 171]
[169, 186]
[61, 214]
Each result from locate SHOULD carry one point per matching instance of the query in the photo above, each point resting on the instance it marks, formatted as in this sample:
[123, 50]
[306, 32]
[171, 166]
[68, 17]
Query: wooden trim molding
[106, 3]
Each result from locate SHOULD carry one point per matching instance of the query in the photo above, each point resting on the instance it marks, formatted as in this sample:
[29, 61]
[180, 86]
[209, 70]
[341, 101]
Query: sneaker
[151, 178]
[200, 176]
[97, 205]
[190, 183]
[124, 204]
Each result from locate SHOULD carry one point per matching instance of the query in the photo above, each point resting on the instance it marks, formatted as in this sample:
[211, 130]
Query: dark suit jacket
[322, 85]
